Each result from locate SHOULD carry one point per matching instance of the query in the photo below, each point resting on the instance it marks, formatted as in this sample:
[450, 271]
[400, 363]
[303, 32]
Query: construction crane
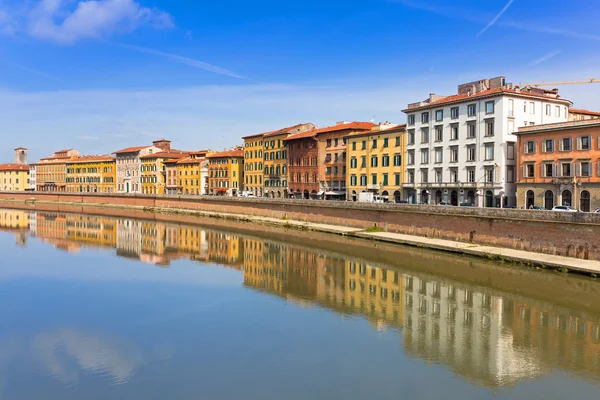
[589, 80]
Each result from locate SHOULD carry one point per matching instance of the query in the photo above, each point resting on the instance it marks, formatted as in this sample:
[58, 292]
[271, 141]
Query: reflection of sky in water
[95, 326]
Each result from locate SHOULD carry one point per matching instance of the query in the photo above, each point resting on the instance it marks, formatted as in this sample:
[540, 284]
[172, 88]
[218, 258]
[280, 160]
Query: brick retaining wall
[567, 234]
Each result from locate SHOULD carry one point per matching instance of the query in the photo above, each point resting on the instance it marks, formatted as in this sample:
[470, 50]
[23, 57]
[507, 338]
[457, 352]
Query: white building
[461, 148]
[32, 179]
[129, 165]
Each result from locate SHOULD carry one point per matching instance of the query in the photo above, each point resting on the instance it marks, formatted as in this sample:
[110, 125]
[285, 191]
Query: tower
[20, 155]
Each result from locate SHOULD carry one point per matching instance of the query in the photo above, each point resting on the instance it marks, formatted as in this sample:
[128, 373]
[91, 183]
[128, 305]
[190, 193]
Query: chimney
[20, 155]
[162, 144]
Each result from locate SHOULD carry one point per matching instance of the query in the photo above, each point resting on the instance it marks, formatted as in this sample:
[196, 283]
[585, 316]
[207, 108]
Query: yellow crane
[589, 80]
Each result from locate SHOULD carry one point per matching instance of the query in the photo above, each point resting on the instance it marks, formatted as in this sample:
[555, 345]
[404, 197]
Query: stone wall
[568, 234]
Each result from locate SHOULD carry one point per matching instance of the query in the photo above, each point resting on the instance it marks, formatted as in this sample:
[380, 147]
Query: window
[411, 157]
[328, 142]
[397, 160]
[353, 162]
[353, 180]
[425, 117]
[363, 161]
[489, 151]
[471, 110]
[385, 142]
[565, 144]
[565, 169]
[453, 175]
[471, 175]
[363, 180]
[410, 136]
[548, 146]
[385, 161]
[439, 134]
[424, 156]
[353, 146]
[557, 111]
[585, 169]
[454, 113]
[454, 132]
[531, 107]
[489, 107]
[439, 115]
[439, 155]
[548, 170]
[530, 147]
[511, 108]
[511, 126]
[489, 127]
[510, 151]
[374, 161]
[471, 130]
[525, 106]
[397, 179]
[425, 135]
[385, 179]
[585, 143]
[411, 119]
[548, 109]
[410, 177]
[454, 154]
[397, 141]
[336, 142]
[374, 179]
[471, 153]
[374, 143]
[438, 175]
[424, 176]
[510, 174]
[489, 175]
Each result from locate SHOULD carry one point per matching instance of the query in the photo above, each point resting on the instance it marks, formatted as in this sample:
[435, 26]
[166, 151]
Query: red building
[303, 165]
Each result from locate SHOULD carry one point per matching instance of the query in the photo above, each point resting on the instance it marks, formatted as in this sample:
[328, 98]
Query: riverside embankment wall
[567, 234]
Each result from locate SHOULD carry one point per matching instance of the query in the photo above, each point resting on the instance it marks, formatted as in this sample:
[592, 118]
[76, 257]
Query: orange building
[559, 164]
[577, 114]
[51, 172]
[332, 157]
[226, 172]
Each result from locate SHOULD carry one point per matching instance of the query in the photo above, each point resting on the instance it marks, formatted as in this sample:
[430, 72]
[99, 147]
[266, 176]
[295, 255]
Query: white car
[597, 211]
[563, 209]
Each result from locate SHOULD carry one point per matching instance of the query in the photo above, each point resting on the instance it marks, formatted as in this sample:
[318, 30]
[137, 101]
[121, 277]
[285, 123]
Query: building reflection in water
[489, 337]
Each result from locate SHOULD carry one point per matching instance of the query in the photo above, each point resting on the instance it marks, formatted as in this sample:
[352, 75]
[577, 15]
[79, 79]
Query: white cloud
[496, 18]
[52, 20]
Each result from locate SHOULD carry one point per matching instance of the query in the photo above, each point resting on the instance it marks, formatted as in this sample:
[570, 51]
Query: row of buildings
[492, 144]
[488, 336]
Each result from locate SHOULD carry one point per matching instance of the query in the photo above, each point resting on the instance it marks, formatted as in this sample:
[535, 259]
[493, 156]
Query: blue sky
[105, 74]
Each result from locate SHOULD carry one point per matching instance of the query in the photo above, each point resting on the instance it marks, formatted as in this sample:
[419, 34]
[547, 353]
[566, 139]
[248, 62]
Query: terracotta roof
[559, 126]
[99, 158]
[301, 135]
[52, 160]
[394, 129]
[582, 111]
[478, 95]
[167, 154]
[346, 126]
[63, 151]
[20, 148]
[276, 132]
[190, 160]
[14, 167]
[229, 153]
[131, 149]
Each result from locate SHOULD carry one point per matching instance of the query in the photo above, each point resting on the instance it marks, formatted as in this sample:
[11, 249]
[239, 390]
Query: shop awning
[335, 193]
[320, 193]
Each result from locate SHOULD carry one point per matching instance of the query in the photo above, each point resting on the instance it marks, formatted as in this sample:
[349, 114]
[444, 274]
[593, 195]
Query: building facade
[91, 174]
[153, 171]
[14, 177]
[577, 114]
[461, 148]
[332, 157]
[192, 174]
[375, 162]
[129, 165]
[303, 165]
[253, 164]
[51, 172]
[226, 172]
[559, 164]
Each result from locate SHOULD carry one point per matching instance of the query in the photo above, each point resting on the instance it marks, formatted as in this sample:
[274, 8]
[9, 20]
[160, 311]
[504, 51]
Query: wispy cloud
[30, 70]
[545, 57]
[182, 60]
[496, 18]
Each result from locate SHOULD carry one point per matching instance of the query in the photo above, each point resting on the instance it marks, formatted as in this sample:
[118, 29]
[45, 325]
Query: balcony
[373, 186]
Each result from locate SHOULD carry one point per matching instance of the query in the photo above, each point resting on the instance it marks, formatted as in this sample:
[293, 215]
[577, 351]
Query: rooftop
[381, 129]
[131, 149]
[363, 126]
[14, 167]
[289, 129]
[167, 154]
[587, 123]
[585, 112]
[228, 153]
[190, 160]
[90, 158]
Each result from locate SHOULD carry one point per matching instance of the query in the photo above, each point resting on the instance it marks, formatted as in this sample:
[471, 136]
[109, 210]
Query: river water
[99, 307]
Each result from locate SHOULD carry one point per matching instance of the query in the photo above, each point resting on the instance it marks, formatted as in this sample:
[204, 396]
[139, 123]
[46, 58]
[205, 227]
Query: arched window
[548, 200]
[567, 198]
[585, 205]
[530, 199]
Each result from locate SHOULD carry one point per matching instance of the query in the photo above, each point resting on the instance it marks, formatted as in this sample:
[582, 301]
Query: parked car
[598, 210]
[563, 209]
[445, 203]
[537, 208]
[467, 205]
[510, 207]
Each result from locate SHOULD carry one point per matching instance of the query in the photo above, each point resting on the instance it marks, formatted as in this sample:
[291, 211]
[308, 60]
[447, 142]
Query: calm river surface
[97, 307]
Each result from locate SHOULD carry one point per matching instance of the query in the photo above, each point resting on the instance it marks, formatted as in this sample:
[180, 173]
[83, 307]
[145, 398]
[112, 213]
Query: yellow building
[91, 174]
[153, 174]
[253, 164]
[91, 230]
[375, 162]
[226, 172]
[14, 219]
[14, 177]
[51, 172]
[275, 164]
[191, 174]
